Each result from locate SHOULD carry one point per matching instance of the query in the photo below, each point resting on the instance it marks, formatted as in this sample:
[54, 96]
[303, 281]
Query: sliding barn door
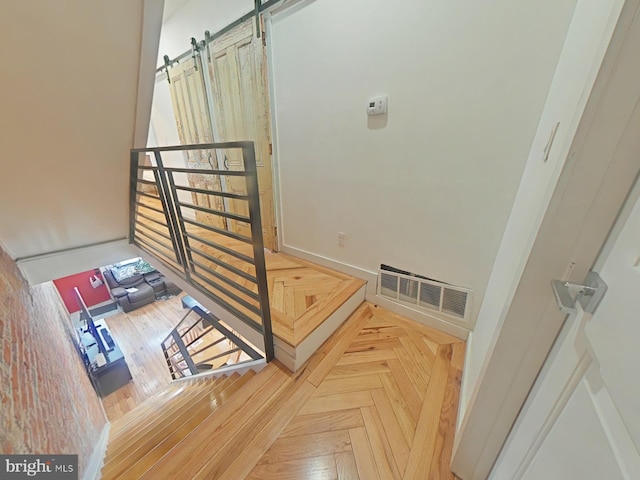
[194, 126]
[237, 69]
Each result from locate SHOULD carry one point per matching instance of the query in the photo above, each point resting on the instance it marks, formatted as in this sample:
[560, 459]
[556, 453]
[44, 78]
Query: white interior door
[582, 418]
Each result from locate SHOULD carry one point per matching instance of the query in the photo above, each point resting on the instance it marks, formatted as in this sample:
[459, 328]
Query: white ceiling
[171, 6]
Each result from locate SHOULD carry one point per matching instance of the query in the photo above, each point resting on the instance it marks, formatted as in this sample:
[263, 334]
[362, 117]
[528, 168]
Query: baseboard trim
[369, 277]
[96, 461]
[294, 358]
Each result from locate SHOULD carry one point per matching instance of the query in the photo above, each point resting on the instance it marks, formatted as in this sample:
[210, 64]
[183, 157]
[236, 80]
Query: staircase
[145, 435]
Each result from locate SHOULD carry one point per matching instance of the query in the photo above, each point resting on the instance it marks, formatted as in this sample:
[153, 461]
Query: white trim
[255, 365]
[294, 358]
[275, 163]
[50, 266]
[96, 461]
[465, 387]
[368, 276]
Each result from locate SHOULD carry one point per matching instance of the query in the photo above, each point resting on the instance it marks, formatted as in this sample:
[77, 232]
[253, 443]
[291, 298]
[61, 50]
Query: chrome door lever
[589, 295]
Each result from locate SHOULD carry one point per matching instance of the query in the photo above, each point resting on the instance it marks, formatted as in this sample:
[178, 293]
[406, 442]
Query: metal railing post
[249, 156]
[133, 188]
[200, 257]
[167, 200]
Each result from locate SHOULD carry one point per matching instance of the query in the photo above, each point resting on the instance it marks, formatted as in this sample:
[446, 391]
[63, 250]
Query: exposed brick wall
[47, 403]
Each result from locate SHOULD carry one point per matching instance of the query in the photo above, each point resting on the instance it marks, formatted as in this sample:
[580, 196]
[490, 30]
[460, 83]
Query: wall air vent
[423, 293]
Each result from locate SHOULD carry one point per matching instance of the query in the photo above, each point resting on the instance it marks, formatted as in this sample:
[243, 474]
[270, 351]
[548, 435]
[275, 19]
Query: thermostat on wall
[377, 105]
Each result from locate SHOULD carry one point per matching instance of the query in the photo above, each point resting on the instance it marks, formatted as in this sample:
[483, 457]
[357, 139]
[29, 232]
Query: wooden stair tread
[152, 448]
[169, 394]
[190, 455]
[147, 424]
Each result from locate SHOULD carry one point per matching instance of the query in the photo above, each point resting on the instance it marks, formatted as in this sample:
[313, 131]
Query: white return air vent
[423, 293]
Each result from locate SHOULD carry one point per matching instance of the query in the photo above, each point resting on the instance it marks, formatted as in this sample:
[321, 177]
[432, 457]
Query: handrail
[214, 241]
[189, 348]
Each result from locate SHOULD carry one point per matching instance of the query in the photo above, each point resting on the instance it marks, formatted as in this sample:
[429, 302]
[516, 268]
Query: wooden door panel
[192, 119]
[241, 112]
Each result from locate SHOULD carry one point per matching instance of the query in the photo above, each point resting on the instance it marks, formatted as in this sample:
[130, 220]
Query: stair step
[155, 421]
[248, 444]
[172, 391]
[189, 456]
[141, 464]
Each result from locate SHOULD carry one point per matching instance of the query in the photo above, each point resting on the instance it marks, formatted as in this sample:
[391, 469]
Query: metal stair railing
[201, 343]
[204, 224]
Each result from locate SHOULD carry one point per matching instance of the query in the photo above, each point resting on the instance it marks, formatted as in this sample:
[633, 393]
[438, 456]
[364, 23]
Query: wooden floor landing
[381, 403]
[302, 295]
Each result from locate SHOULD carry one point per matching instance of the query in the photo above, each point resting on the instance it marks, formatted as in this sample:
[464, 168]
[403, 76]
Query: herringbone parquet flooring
[385, 408]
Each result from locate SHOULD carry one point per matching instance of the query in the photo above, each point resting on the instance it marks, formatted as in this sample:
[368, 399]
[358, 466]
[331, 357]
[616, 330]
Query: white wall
[192, 18]
[582, 55]
[70, 79]
[428, 189]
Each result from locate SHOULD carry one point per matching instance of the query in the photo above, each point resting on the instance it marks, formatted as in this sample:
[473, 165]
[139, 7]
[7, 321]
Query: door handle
[589, 295]
[225, 162]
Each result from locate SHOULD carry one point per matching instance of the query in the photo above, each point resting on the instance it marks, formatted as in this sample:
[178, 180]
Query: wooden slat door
[237, 70]
[192, 119]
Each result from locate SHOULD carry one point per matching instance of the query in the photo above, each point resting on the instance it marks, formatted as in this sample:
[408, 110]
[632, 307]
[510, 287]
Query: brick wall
[47, 404]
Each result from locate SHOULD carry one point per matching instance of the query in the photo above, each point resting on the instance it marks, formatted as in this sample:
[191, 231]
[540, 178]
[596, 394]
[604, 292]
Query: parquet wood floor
[377, 401]
[384, 405]
[302, 295]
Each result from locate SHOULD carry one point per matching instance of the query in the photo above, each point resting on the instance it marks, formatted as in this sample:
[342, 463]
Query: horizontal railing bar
[152, 219]
[144, 194]
[146, 235]
[169, 261]
[209, 345]
[228, 352]
[150, 246]
[230, 308]
[232, 216]
[226, 332]
[157, 232]
[195, 146]
[199, 171]
[140, 204]
[204, 332]
[237, 286]
[226, 292]
[224, 265]
[235, 196]
[177, 326]
[226, 233]
[146, 182]
[185, 333]
[238, 255]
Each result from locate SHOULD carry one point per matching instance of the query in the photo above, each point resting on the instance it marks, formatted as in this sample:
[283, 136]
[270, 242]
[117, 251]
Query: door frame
[596, 179]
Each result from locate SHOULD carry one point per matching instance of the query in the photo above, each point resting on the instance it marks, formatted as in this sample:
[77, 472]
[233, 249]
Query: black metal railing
[200, 343]
[204, 223]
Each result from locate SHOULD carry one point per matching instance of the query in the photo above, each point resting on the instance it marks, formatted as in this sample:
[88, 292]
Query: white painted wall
[582, 54]
[70, 84]
[192, 18]
[428, 189]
